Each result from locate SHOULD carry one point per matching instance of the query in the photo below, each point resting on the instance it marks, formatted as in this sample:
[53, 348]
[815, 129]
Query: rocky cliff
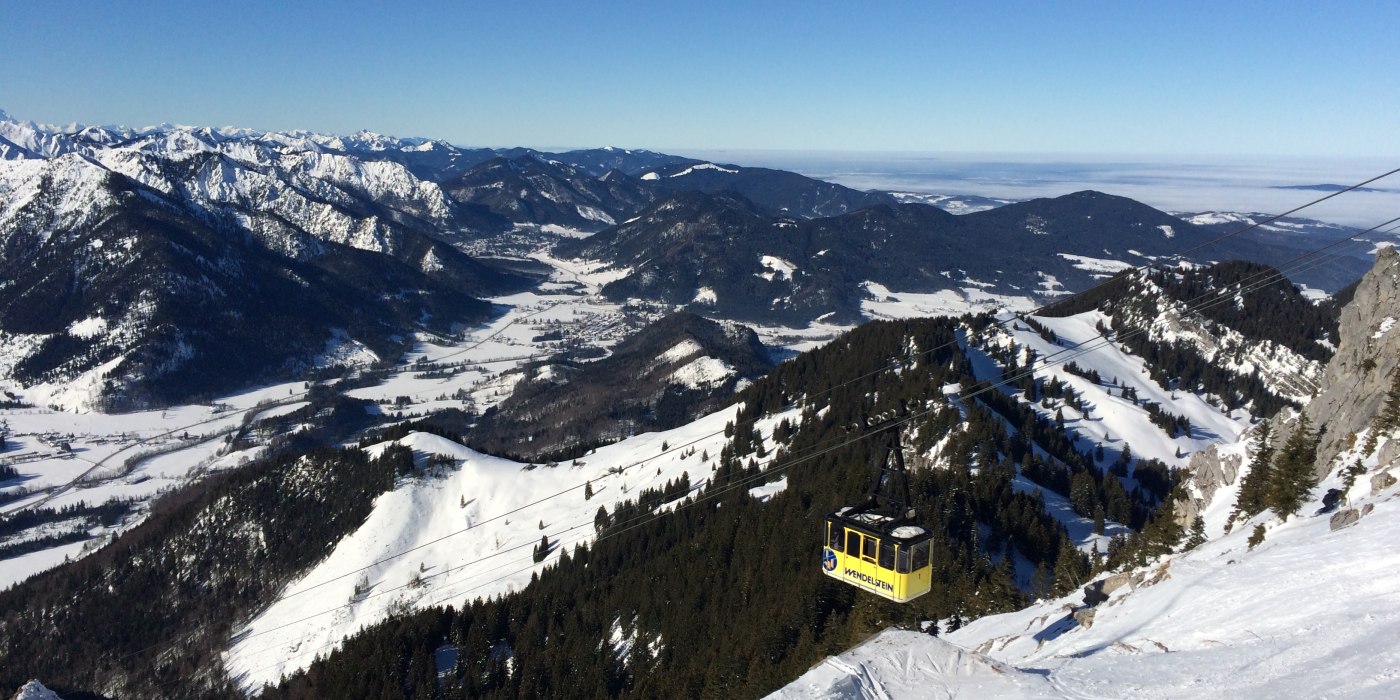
[1357, 379]
[1353, 391]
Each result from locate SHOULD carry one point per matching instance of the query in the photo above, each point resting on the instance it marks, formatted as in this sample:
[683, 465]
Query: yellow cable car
[876, 546]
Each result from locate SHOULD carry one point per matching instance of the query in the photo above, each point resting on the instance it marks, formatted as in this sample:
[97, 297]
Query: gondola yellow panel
[878, 554]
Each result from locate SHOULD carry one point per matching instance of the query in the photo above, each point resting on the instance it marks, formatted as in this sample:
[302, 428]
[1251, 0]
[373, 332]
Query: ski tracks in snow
[862, 681]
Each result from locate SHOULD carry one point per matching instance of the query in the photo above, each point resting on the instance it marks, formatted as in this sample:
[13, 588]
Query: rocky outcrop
[1085, 617]
[1210, 470]
[34, 690]
[1381, 482]
[1099, 591]
[1344, 518]
[1355, 383]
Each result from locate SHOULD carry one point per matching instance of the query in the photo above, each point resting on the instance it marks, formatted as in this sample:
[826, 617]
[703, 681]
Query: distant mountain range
[724, 255]
[141, 266]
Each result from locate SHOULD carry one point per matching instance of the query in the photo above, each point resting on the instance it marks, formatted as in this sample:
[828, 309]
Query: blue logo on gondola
[829, 560]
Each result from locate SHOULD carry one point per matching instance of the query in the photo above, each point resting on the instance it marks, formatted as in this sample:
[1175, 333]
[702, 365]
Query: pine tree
[1390, 413]
[1162, 534]
[1198, 533]
[542, 549]
[587, 490]
[1042, 581]
[1071, 568]
[1083, 495]
[1293, 478]
[1253, 496]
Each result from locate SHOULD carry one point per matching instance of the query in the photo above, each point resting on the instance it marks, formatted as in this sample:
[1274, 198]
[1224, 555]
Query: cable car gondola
[876, 546]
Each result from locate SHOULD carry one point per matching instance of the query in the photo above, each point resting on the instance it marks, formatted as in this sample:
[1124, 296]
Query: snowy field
[887, 304]
[68, 457]
[896, 664]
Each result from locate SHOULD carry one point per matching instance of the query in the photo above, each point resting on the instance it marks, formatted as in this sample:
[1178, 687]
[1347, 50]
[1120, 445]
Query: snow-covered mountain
[542, 190]
[1262, 605]
[339, 559]
[779, 192]
[1218, 325]
[141, 267]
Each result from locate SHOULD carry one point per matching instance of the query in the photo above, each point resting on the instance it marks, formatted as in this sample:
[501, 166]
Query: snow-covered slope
[1311, 612]
[898, 664]
[1300, 606]
[1113, 421]
[468, 530]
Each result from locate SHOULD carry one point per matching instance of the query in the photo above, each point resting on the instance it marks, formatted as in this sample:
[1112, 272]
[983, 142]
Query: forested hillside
[722, 560]
[1236, 330]
[667, 374]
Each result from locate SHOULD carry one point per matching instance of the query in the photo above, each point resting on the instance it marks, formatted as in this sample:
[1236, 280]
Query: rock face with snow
[1352, 387]
[139, 269]
[1209, 471]
[1368, 356]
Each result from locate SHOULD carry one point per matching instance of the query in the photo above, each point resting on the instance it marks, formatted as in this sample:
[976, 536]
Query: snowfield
[1103, 267]
[699, 166]
[886, 304]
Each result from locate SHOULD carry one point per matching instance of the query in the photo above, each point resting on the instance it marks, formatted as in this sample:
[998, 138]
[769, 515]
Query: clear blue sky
[1211, 78]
